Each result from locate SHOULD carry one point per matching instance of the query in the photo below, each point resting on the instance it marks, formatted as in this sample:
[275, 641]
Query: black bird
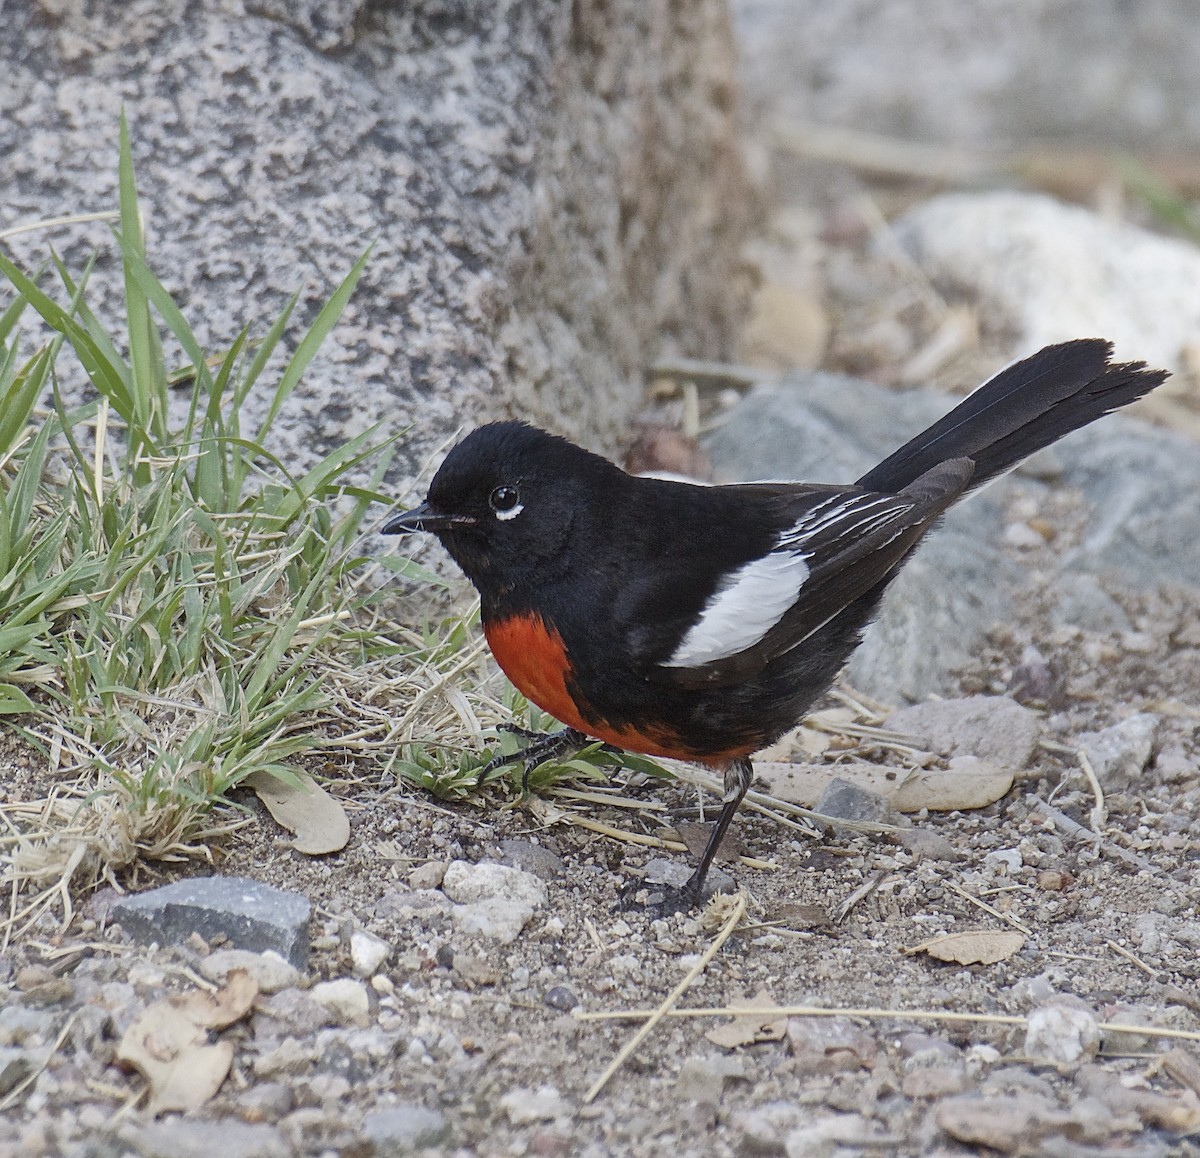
[701, 622]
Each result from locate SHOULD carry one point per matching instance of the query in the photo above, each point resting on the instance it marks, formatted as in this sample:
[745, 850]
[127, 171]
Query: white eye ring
[505, 501]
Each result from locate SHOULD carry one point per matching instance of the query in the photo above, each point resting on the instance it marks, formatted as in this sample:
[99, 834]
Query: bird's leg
[689, 895]
[541, 747]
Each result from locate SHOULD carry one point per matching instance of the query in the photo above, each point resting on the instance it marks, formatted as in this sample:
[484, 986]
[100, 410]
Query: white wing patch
[752, 600]
[755, 597]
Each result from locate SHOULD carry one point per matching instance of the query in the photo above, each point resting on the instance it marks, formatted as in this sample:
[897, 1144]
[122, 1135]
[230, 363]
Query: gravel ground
[460, 1043]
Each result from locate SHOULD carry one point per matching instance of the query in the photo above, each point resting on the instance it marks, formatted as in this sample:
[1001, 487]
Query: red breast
[535, 659]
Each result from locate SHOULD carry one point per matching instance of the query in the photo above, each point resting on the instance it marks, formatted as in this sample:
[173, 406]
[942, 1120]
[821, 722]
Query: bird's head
[506, 499]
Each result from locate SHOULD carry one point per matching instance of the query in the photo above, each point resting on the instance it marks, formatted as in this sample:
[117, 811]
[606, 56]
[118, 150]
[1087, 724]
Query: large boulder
[554, 190]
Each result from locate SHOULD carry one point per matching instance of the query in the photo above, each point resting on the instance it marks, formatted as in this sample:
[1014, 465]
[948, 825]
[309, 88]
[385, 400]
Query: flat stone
[397, 1131]
[994, 728]
[532, 858]
[249, 914]
[188, 1137]
[15, 1066]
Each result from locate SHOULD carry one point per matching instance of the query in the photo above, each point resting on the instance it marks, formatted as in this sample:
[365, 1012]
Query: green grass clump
[168, 589]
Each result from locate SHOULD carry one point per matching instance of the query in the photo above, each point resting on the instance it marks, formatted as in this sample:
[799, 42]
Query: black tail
[1025, 407]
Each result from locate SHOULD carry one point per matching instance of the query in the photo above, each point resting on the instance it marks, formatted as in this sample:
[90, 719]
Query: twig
[1099, 814]
[704, 373]
[654, 1018]
[861, 893]
[1121, 951]
[1064, 823]
[876, 1015]
[30, 1078]
[966, 896]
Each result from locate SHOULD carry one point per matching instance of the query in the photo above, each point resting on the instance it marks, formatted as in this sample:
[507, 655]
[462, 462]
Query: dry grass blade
[731, 923]
[870, 1013]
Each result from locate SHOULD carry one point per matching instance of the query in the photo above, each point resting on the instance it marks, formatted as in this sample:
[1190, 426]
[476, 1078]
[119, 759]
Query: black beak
[422, 518]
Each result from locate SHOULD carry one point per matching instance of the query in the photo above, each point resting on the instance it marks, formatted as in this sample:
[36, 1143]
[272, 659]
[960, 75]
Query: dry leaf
[749, 1030]
[168, 1044]
[967, 783]
[217, 1010]
[317, 819]
[975, 947]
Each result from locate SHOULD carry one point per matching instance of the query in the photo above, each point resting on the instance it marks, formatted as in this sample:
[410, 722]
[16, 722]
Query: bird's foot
[542, 747]
[660, 898]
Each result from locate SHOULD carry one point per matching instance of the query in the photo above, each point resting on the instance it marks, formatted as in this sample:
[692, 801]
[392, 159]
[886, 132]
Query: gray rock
[1140, 485]
[1115, 75]
[1062, 1034]
[1119, 754]
[703, 1079]
[294, 1012]
[425, 906]
[1081, 602]
[496, 918]
[250, 914]
[532, 858]
[347, 1000]
[561, 998]
[846, 801]
[15, 1066]
[552, 191]
[428, 875]
[993, 728]
[465, 883]
[830, 1045]
[676, 873]
[269, 969]
[367, 952]
[400, 1130]
[189, 1137]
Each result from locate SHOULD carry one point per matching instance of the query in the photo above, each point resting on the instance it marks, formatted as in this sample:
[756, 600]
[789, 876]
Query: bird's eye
[506, 502]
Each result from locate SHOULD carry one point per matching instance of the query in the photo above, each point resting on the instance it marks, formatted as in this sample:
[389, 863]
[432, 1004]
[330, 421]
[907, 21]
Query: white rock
[465, 883]
[269, 970]
[496, 918]
[1062, 1034]
[524, 1105]
[1049, 272]
[1119, 754]
[367, 952]
[346, 1000]
[994, 728]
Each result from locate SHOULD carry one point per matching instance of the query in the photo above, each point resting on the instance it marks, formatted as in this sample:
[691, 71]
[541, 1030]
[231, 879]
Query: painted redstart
[701, 622]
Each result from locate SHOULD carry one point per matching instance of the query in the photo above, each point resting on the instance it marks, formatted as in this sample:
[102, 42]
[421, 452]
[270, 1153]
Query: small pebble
[346, 1000]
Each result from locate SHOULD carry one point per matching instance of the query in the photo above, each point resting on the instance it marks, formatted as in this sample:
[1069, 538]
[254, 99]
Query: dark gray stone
[842, 800]
[15, 1066]
[403, 1129]
[250, 914]
[532, 858]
